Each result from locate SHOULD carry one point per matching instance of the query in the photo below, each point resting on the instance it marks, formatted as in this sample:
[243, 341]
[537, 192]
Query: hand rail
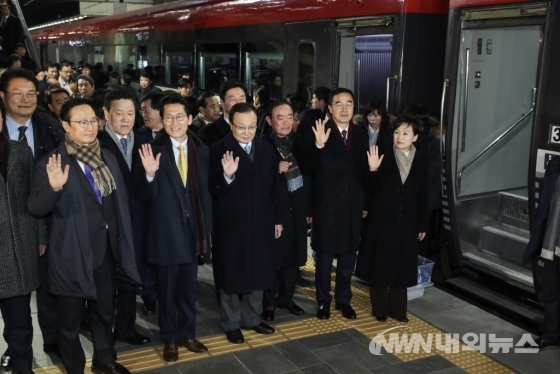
[465, 98]
[445, 84]
[460, 175]
[394, 77]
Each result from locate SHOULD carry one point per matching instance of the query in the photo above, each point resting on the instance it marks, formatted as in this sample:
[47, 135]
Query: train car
[501, 86]
[391, 50]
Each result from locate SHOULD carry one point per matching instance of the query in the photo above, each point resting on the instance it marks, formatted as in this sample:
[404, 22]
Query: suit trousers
[125, 319]
[240, 310]
[69, 317]
[46, 304]
[390, 302]
[177, 286]
[550, 325]
[282, 292]
[344, 268]
[18, 331]
[149, 283]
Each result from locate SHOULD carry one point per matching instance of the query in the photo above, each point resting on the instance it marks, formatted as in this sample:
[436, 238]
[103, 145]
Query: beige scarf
[403, 162]
[91, 155]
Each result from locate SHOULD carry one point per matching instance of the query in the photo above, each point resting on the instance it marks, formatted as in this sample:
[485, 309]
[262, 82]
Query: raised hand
[150, 163]
[421, 236]
[321, 136]
[229, 164]
[374, 161]
[57, 176]
[278, 231]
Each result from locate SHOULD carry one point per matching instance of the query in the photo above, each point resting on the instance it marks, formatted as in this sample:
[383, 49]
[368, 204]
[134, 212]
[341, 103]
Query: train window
[216, 64]
[306, 69]
[149, 61]
[176, 62]
[124, 55]
[263, 67]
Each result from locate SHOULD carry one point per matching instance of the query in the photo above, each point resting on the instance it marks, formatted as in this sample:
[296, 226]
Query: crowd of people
[114, 191]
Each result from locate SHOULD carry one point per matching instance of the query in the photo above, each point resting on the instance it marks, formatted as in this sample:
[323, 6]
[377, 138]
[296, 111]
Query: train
[485, 68]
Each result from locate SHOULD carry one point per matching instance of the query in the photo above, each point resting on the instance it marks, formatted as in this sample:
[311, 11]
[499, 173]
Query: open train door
[493, 67]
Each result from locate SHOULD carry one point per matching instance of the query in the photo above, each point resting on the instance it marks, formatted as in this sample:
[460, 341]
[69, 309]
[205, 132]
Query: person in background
[14, 61]
[65, 74]
[146, 86]
[26, 61]
[11, 30]
[261, 101]
[130, 71]
[397, 220]
[125, 82]
[40, 74]
[208, 111]
[276, 88]
[185, 87]
[150, 107]
[87, 69]
[56, 99]
[86, 86]
[378, 124]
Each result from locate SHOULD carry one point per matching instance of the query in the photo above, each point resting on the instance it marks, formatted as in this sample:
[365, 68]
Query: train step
[515, 208]
[504, 242]
[504, 269]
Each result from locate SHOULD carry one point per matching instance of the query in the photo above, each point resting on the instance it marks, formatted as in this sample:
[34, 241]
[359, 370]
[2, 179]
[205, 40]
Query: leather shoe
[193, 345]
[235, 336]
[403, 320]
[135, 340]
[170, 352]
[381, 319]
[268, 314]
[149, 307]
[542, 344]
[294, 309]
[6, 360]
[347, 311]
[261, 328]
[324, 311]
[114, 368]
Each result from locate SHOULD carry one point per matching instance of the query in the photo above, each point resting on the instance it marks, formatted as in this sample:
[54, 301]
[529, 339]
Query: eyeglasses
[18, 95]
[179, 117]
[84, 122]
[148, 111]
[343, 105]
[250, 128]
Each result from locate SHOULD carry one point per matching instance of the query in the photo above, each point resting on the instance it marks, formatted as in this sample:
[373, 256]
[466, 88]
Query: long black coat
[245, 213]
[70, 252]
[290, 249]
[389, 248]
[339, 174]
[214, 132]
[12, 34]
[168, 242]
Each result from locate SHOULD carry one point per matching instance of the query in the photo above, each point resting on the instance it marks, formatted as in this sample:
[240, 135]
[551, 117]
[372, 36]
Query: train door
[489, 142]
[365, 55]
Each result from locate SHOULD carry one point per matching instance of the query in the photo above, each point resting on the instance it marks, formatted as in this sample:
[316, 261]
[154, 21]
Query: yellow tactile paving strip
[151, 358]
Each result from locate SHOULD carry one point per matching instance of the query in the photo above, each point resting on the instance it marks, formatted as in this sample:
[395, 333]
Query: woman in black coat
[398, 218]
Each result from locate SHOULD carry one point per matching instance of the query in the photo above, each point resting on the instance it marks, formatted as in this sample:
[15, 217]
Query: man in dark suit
[208, 111]
[90, 235]
[317, 111]
[243, 181]
[118, 137]
[174, 182]
[339, 152]
[26, 123]
[150, 107]
[231, 93]
[10, 30]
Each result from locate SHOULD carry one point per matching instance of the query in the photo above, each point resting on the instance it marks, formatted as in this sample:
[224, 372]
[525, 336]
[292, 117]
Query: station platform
[308, 345]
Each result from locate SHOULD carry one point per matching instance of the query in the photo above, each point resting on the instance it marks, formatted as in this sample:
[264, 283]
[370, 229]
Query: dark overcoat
[290, 249]
[214, 132]
[70, 252]
[339, 174]
[20, 232]
[168, 242]
[389, 248]
[245, 213]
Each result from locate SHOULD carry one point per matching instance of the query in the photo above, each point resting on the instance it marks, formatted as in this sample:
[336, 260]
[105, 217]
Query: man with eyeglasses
[208, 111]
[150, 106]
[243, 181]
[65, 74]
[231, 93]
[90, 236]
[339, 167]
[119, 110]
[42, 133]
[174, 182]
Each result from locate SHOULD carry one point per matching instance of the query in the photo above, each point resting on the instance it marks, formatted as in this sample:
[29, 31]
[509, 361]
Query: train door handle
[445, 84]
[465, 98]
[394, 77]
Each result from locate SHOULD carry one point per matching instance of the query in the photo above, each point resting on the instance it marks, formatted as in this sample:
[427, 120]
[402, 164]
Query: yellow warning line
[152, 357]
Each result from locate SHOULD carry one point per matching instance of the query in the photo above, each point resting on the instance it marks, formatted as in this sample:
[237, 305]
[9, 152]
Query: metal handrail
[460, 175]
[394, 77]
[445, 84]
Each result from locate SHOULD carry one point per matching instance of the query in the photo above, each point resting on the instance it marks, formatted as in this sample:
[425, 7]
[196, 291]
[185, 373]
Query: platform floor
[308, 345]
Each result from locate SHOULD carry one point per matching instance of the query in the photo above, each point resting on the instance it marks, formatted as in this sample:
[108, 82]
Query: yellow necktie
[183, 167]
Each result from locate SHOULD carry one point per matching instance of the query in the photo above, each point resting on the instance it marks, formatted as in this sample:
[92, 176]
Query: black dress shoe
[324, 311]
[542, 344]
[268, 314]
[294, 309]
[261, 328]
[235, 336]
[149, 308]
[135, 340]
[6, 360]
[114, 368]
[403, 320]
[347, 311]
[381, 319]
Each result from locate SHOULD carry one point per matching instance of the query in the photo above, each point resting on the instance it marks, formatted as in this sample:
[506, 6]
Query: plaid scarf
[293, 175]
[91, 155]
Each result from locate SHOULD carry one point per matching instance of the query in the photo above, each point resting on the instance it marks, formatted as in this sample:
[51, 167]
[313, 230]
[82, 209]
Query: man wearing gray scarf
[118, 137]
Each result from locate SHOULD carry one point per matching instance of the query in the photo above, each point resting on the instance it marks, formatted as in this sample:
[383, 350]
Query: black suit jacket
[12, 34]
[214, 132]
[197, 124]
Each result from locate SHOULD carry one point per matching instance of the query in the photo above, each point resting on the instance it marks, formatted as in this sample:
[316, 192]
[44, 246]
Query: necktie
[22, 138]
[344, 132]
[183, 168]
[3, 22]
[124, 144]
[154, 133]
[247, 148]
[91, 181]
